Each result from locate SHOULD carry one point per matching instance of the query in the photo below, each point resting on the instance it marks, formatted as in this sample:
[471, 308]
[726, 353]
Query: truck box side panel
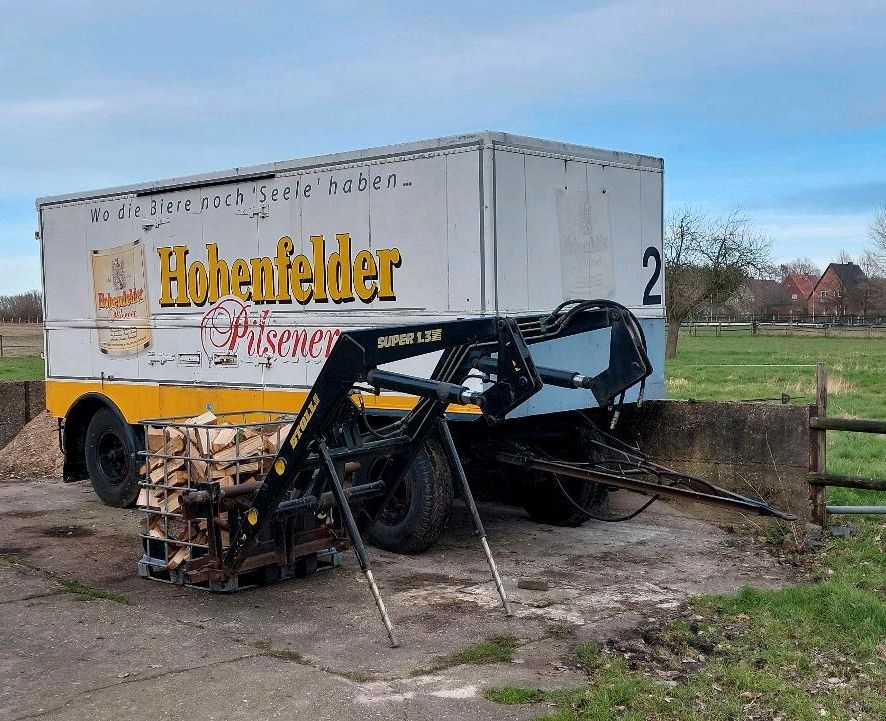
[511, 243]
[573, 228]
[463, 232]
[577, 227]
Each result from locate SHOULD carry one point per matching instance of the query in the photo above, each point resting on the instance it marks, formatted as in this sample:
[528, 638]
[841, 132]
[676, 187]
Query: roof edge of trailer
[486, 138]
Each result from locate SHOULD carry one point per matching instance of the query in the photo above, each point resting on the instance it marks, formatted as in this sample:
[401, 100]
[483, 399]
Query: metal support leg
[468, 497]
[341, 501]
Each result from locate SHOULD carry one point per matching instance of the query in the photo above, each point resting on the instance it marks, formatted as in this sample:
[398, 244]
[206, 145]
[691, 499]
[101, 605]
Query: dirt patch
[34, 452]
[22, 339]
[24, 514]
[67, 532]
[420, 580]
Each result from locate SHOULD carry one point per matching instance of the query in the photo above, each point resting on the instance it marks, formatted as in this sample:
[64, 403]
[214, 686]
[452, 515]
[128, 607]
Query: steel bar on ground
[647, 487]
[857, 510]
[468, 498]
[341, 500]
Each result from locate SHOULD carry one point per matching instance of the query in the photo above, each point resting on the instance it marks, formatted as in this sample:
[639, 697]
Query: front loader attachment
[334, 458]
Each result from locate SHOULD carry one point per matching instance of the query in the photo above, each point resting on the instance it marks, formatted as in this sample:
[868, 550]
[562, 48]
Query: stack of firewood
[200, 449]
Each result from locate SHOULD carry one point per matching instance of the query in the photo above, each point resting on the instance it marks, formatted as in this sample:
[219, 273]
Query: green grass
[810, 651]
[492, 650]
[560, 630]
[498, 648]
[284, 654]
[87, 593]
[745, 367]
[27, 368]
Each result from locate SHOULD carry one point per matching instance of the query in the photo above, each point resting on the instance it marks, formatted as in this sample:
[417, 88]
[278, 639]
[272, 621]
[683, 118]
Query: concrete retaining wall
[750, 448]
[20, 401]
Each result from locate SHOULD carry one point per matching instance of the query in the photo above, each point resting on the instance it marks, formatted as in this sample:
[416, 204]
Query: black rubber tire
[415, 519]
[545, 502]
[111, 445]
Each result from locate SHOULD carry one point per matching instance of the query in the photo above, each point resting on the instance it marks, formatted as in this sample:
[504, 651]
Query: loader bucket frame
[325, 439]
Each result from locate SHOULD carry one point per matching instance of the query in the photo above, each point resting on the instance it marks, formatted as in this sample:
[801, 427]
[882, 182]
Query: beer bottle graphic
[121, 299]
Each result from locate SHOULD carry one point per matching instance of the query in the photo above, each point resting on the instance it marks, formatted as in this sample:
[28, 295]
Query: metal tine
[341, 501]
[468, 497]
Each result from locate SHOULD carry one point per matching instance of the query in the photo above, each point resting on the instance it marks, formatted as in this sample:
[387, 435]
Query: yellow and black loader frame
[326, 441]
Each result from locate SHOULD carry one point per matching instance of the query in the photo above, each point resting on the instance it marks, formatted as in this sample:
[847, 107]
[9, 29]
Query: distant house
[796, 288]
[842, 290]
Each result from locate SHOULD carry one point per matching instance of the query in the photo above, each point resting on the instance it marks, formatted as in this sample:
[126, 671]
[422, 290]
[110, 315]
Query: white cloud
[671, 53]
[821, 237]
[54, 109]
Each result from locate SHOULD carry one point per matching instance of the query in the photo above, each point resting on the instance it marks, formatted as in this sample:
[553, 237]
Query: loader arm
[496, 345]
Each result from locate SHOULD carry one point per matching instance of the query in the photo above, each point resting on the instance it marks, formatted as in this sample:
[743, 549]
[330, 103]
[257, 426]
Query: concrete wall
[20, 401]
[750, 448]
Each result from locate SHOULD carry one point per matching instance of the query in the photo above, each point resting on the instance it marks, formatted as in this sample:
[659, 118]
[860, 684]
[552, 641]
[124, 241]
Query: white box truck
[227, 290]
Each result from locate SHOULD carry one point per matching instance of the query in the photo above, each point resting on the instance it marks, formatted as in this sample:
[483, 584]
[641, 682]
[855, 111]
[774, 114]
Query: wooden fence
[723, 328]
[819, 478]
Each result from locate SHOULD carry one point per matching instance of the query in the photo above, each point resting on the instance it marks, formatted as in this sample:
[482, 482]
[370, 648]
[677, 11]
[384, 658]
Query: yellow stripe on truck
[137, 401]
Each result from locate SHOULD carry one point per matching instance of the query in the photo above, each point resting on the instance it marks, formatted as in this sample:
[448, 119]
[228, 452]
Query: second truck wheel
[562, 501]
[545, 502]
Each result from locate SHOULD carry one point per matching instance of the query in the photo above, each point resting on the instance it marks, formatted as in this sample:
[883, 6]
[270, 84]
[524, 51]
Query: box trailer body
[227, 290]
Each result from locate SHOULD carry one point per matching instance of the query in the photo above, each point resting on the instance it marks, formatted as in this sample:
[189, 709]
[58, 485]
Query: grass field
[742, 368]
[26, 368]
[811, 651]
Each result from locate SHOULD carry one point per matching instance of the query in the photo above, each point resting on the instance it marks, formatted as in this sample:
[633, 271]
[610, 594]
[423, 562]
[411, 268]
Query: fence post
[27, 395]
[1, 346]
[819, 447]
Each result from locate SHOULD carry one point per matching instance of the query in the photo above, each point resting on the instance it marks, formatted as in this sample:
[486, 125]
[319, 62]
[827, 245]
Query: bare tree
[872, 290]
[799, 266]
[871, 264]
[27, 305]
[844, 256]
[706, 262]
[877, 233]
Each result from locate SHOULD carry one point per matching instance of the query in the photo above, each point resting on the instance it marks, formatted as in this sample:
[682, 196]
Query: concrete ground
[314, 648]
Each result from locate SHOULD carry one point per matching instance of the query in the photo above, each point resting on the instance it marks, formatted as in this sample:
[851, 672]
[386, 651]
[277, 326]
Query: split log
[223, 438]
[168, 469]
[249, 447]
[275, 439]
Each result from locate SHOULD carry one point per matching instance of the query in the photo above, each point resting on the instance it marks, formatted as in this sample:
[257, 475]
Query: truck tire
[543, 493]
[545, 502]
[415, 518]
[111, 446]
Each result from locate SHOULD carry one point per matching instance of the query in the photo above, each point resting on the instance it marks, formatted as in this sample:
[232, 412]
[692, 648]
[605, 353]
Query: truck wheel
[546, 503]
[110, 459]
[545, 500]
[415, 518]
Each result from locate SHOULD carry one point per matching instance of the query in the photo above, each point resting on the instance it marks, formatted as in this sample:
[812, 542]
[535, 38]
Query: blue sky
[778, 108]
